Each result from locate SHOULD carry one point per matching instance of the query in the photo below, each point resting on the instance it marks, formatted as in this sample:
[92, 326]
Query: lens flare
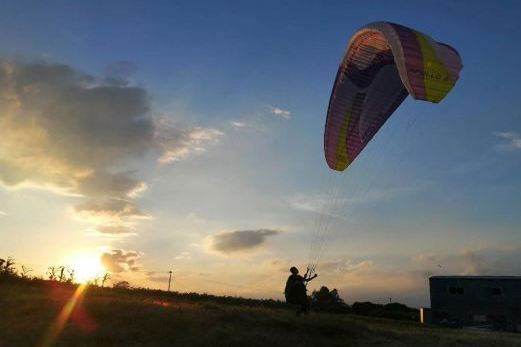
[87, 268]
[57, 327]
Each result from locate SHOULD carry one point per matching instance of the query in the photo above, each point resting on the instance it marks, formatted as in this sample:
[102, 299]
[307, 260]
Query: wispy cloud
[321, 204]
[119, 73]
[366, 280]
[332, 205]
[159, 277]
[2, 214]
[184, 256]
[492, 261]
[238, 125]
[240, 240]
[346, 266]
[511, 140]
[112, 211]
[487, 261]
[280, 112]
[178, 143]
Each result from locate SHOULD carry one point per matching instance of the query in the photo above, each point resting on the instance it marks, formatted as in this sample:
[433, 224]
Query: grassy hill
[109, 317]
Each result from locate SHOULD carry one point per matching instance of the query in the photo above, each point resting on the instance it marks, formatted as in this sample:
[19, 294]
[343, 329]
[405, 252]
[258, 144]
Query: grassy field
[107, 317]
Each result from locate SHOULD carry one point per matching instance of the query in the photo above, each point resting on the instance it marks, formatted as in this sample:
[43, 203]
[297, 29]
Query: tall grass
[109, 317]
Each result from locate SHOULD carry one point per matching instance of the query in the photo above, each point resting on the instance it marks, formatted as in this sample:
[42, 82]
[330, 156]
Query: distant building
[493, 301]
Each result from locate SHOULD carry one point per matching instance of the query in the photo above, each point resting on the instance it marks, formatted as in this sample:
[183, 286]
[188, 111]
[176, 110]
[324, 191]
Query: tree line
[60, 274]
[322, 300]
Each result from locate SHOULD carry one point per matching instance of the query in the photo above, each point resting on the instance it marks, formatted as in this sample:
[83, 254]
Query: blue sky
[242, 90]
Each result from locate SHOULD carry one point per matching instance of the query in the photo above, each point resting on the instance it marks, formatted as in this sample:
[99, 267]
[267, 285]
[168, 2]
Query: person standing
[296, 292]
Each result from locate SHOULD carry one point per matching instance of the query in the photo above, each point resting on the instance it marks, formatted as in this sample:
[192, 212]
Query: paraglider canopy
[384, 63]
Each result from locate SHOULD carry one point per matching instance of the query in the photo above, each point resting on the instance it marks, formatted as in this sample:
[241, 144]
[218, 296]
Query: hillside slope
[107, 317]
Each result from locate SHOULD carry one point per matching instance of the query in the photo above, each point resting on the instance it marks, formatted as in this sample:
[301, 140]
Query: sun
[86, 267]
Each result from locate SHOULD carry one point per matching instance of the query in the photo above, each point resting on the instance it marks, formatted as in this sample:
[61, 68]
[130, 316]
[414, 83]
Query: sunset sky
[187, 136]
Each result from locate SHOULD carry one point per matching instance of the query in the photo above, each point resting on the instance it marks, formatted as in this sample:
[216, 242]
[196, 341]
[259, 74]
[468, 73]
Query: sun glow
[86, 268]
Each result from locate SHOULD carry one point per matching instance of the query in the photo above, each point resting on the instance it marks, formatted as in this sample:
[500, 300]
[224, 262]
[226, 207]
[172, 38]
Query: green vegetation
[122, 317]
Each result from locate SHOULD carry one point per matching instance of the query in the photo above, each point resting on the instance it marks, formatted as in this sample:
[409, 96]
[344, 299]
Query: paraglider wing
[384, 62]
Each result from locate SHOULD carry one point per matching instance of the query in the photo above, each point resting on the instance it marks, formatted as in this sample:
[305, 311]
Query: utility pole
[169, 279]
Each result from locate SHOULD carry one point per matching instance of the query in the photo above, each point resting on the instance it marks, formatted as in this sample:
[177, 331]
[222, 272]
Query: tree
[52, 273]
[61, 274]
[7, 267]
[104, 279]
[25, 272]
[70, 275]
[326, 300]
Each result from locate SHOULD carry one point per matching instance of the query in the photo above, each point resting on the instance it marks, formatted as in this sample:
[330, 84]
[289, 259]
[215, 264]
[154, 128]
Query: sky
[188, 136]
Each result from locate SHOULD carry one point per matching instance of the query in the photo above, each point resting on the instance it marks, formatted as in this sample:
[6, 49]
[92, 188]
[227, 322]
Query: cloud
[346, 266]
[114, 229]
[62, 128]
[426, 259]
[184, 256]
[178, 143]
[119, 260]
[280, 112]
[322, 204]
[160, 277]
[492, 261]
[2, 213]
[240, 240]
[512, 140]
[334, 204]
[109, 210]
[488, 261]
[72, 133]
[119, 73]
[282, 265]
[476, 264]
[366, 280]
[237, 125]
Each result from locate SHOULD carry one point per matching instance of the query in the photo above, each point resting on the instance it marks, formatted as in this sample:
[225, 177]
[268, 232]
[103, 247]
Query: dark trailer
[476, 301]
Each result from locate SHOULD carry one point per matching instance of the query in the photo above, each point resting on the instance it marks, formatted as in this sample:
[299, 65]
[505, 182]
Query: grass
[107, 317]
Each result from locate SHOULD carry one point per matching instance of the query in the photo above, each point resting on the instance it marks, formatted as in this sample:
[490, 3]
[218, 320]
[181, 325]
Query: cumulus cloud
[511, 140]
[178, 143]
[119, 260]
[240, 240]
[73, 133]
[281, 112]
[62, 128]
